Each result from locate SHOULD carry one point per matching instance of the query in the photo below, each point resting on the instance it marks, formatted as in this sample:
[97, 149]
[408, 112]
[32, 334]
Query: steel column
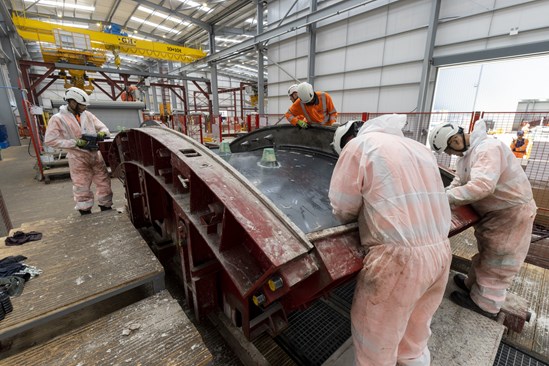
[427, 59]
[312, 47]
[213, 70]
[260, 62]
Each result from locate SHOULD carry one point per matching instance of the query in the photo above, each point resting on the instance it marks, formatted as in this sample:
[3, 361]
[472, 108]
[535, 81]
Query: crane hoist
[61, 43]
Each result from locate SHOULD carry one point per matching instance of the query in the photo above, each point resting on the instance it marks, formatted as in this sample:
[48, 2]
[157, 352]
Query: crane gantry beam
[35, 30]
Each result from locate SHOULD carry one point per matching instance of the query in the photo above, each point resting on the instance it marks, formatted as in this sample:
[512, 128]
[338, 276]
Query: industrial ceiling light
[194, 4]
[161, 15]
[220, 39]
[246, 68]
[152, 24]
[57, 4]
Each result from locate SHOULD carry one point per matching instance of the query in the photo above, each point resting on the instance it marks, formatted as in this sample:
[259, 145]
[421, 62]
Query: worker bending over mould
[491, 180]
[311, 108]
[392, 185]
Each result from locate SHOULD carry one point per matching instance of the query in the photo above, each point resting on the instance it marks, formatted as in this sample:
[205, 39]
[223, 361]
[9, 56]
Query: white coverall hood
[488, 175]
[389, 123]
[478, 135]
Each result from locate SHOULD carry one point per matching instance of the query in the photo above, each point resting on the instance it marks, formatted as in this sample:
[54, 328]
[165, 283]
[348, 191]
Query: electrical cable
[29, 152]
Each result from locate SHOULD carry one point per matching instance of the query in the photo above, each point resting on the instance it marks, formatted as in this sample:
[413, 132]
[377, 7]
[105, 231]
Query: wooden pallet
[154, 331]
[91, 266]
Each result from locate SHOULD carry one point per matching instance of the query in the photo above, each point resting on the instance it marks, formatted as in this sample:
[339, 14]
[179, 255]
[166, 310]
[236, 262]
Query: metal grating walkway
[509, 356]
[315, 334]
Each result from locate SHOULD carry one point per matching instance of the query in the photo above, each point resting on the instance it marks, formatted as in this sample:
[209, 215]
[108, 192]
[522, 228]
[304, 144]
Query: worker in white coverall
[490, 178]
[66, 130]
[392, 184]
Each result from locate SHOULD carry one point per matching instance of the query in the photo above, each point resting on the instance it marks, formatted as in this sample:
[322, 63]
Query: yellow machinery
[73, 48]
[36, 30]
[59, 43]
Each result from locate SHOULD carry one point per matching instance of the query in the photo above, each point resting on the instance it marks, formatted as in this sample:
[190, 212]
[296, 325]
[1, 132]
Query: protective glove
[81, 143]
[101, 135]
[451, 199]
[302, 124]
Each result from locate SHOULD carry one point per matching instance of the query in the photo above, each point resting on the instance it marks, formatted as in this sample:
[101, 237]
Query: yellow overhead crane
[36, 30]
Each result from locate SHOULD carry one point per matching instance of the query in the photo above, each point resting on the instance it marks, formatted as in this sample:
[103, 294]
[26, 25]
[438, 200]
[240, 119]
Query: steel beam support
[114, 6]
[172, 82]
[213, 70]
[324, 13]
[34, 135]
[4, 58]
[185, 95]
[312, 47]
[260, 62]
[226, 31]
[118, 71]
[154, 105]
[94, 82]
[427, 59]
[492, 54]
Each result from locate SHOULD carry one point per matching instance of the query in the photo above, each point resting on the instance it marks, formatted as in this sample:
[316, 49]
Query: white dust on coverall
[491, 179]
[85, 166]
[393, 185]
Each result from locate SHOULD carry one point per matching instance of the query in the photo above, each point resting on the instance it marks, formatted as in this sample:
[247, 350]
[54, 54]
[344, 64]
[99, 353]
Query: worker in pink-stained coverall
[392, 184]
[491, 179]
[65, 131]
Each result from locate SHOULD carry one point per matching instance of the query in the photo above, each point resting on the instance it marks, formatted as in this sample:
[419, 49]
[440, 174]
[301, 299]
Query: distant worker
[311, 107]
[519, 145]
[130, 94]
[491, 179]
[292, 93]
[78, 131]
[392, 184]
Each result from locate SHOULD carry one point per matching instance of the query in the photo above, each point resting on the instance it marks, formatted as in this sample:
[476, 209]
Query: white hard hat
[80, 96]
[292, 89]
[343, 132]
[438, 138]
[305, 92]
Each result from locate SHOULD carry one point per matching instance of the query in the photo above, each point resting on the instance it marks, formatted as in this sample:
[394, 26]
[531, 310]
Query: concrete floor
[28, 200]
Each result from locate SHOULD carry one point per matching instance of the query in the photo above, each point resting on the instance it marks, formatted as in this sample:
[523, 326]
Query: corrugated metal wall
[372, 60]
